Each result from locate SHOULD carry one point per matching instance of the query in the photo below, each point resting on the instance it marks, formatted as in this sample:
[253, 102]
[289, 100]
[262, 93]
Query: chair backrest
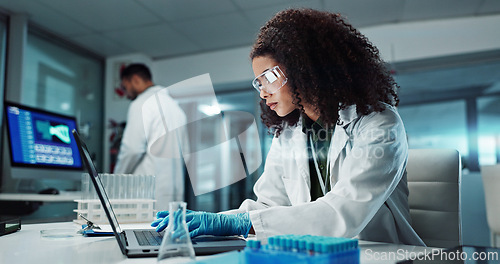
[434, 184]
[491, 182]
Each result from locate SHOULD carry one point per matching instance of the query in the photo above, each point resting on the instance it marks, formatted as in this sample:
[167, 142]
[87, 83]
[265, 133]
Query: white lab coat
[369, 193]
[135, 157]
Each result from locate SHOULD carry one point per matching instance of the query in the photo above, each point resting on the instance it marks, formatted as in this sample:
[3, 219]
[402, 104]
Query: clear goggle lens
[270, 81]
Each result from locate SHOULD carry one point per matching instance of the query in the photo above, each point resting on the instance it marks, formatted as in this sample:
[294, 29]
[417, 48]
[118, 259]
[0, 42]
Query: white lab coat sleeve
[373, 165]
[269, 188]
[133, 144]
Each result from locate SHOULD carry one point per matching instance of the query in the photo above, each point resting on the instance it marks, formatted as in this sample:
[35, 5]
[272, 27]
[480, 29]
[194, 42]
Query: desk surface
[27, 246]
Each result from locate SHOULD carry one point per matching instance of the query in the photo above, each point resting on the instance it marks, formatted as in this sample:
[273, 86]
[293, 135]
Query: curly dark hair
[329, 64]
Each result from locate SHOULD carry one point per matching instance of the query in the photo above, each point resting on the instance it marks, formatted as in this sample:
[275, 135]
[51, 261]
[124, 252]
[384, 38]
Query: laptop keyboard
[148, 238]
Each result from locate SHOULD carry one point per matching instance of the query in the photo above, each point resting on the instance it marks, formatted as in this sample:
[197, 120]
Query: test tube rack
[303, 249]
[126, 211]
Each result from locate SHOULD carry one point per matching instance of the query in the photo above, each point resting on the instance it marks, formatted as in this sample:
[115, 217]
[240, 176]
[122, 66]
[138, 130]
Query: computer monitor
[41, 141]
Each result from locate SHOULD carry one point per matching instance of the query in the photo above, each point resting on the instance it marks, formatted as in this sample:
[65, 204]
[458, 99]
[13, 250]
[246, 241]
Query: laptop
[146, 242]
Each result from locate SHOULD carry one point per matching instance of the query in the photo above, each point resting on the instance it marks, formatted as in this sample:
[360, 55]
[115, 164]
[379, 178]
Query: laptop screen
[96, 180]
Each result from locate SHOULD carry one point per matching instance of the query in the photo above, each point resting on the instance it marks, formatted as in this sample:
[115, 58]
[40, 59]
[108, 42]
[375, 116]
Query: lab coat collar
[348, 115]
[340, 137]
[300, 153]
[338, 142]
[149, 91]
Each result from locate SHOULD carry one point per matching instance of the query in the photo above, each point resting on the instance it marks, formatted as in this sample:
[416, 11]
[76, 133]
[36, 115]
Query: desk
[27, 246]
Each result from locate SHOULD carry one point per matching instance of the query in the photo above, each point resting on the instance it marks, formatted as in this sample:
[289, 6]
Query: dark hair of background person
[138, 69]
[329, 64]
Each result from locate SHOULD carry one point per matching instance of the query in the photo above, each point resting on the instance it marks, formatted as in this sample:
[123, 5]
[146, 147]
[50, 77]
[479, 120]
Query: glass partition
[58, 78]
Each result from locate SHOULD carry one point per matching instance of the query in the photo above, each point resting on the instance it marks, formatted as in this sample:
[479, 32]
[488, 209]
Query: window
[488, 109]
[436, 125]
[452, 102]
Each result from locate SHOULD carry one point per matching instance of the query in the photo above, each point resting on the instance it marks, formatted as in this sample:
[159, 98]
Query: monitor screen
[41, 139]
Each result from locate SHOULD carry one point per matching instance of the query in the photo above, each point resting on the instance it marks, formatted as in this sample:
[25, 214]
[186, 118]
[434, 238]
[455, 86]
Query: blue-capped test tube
[302, 246]
[295, 245]
[277, 243]
[318, 247]
[283, 245]
[253, 244]
[310, 246]
[270, 243]
[288, 243]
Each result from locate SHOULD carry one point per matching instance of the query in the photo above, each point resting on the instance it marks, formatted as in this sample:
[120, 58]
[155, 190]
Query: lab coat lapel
[339, 140]
[300, 153]
[340, 137]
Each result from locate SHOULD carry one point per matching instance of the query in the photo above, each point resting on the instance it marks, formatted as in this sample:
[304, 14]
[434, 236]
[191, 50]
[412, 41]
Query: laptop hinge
[124, 238]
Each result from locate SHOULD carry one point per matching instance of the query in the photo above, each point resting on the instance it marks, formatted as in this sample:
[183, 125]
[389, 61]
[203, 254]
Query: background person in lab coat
[337, 162]
[135, 157]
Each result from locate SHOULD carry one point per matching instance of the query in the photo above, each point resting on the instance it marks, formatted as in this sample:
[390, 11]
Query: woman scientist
[337, 162]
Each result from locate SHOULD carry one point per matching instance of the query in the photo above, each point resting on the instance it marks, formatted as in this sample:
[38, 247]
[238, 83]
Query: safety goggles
[270, 81]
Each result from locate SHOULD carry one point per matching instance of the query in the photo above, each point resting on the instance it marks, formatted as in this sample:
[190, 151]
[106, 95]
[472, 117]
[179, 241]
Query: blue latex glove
[204, 223]
[178, 231]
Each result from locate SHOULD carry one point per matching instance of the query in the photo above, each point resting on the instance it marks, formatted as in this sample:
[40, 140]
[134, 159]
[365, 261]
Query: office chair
[491, 182]
[434, 184]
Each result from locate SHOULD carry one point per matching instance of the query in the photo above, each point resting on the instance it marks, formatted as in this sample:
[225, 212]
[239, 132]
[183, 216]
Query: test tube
[127, 186]
[103, 178]
[270, 243]
[141, 186]
[277, 243]
[93, 193]
[295, 244]
[253, 244]
[124, 186]
[310, 247]
[150, 186]
[302, 245]
[110, 186]
[85, 186]
[288, 243]
[135, 186]
[116, 186]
